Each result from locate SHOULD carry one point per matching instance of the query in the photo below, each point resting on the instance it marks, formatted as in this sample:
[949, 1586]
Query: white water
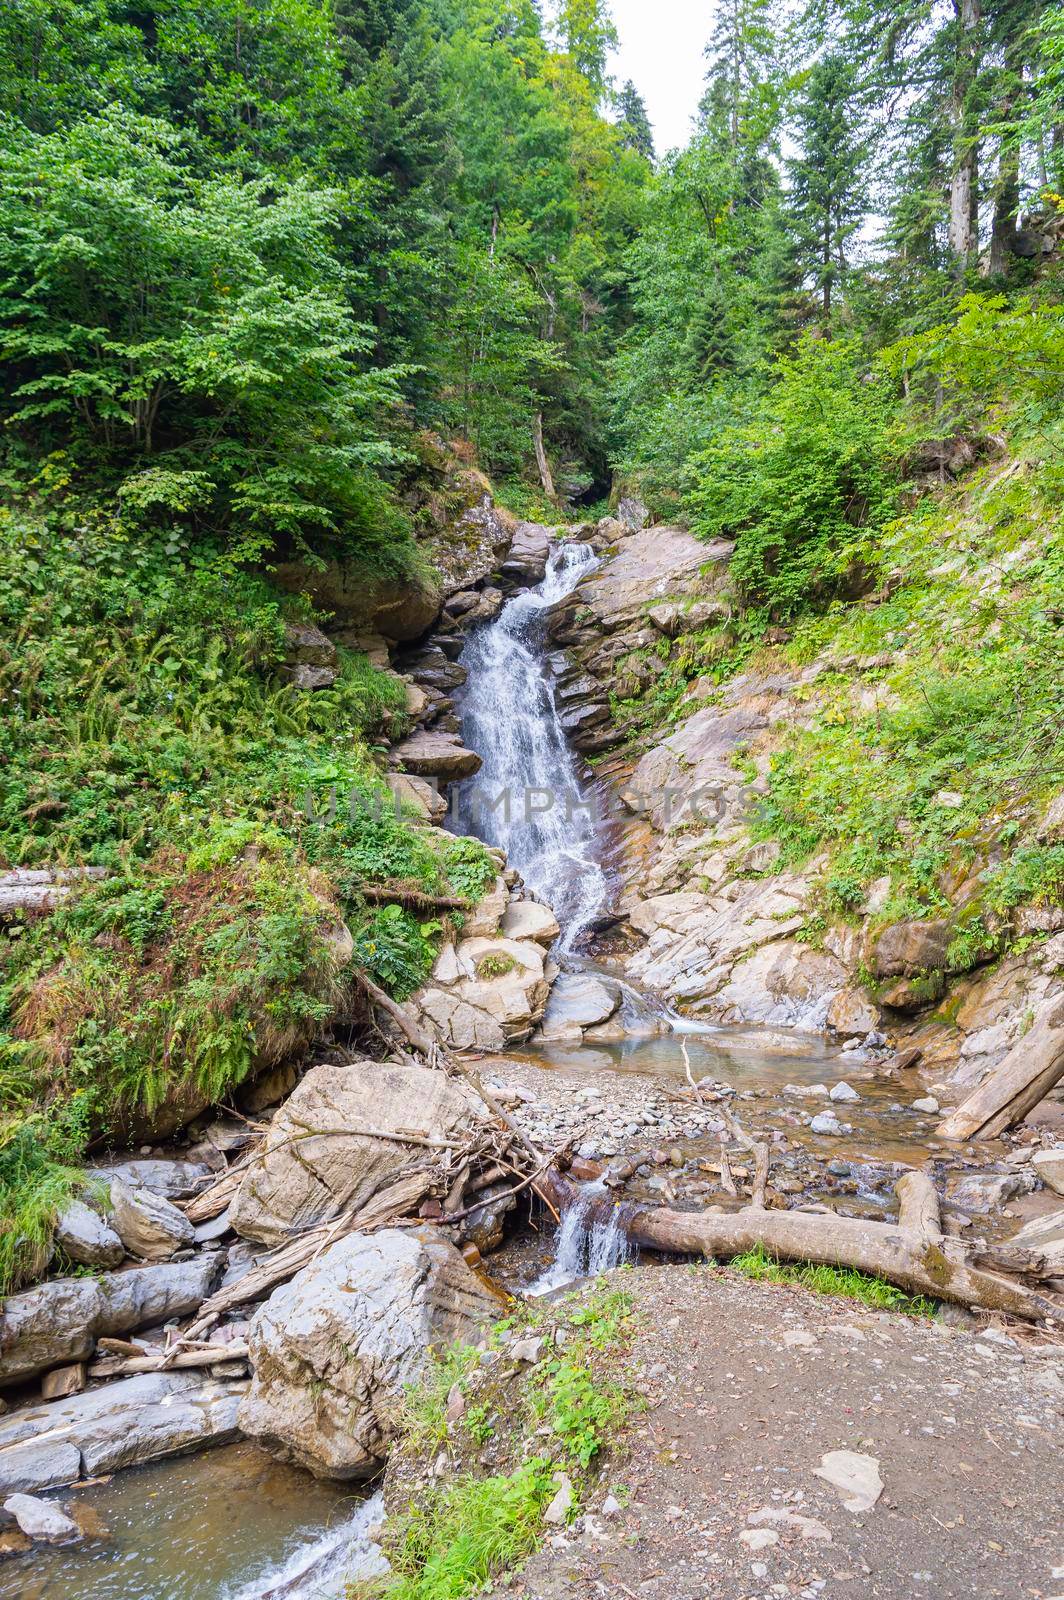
[586, 1244]
[322, 1568]
[544, 819]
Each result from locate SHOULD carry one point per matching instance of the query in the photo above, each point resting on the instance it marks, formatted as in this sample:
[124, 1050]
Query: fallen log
[911, 1253]
[416, 899]
[1033, 1066]
[42, 888]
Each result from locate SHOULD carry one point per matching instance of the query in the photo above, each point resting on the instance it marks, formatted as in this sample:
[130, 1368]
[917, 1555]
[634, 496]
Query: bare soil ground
[748, 1385]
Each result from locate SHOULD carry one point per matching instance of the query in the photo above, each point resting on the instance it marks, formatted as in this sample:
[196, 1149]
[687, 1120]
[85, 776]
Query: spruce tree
[826, 197]
[633, 122]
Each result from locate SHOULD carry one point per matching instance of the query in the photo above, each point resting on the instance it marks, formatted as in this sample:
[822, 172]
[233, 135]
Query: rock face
[485, 993]
[58, 1322]
[397, 608]
[151, 1228]
[124, 1424]
[84, 1236]
[332, 1350]
[526, 563]
[327, 1147]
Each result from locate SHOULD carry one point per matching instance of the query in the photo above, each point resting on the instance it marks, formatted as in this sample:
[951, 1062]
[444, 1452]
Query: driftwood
[1033, 1066]
[208, 1356]
[42, 888]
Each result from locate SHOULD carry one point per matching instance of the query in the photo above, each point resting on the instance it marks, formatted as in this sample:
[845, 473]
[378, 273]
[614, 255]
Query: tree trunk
[42, 888]
[963, 195]
[1033, 1066]
[541, 457]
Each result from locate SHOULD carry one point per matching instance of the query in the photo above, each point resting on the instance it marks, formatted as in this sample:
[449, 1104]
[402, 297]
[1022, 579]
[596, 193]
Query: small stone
[844, 1092]
[800, 1339]
[456, 1404]
[928, 1104]
[63, 1381]
[759, 1538]
[611, 1506]
[527, 1350]
[40, 1520]
[558, 1510]
[827, 1122]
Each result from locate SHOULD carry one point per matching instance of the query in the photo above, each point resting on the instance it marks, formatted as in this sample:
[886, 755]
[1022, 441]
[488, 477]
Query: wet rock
[84, 1236]
[851, 1015]
[323, 1148]
[58, 1322]
[844, 1092]
[40, 1521]
[333, 1350]
[827, 1122]
[485, 1226]
[436, 755]
[526, 563]
[151, 1228]
[578, 1001]
[928, 1104]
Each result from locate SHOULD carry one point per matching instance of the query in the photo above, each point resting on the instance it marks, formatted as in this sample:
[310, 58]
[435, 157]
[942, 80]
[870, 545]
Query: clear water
[544, 819]
[230, 1524]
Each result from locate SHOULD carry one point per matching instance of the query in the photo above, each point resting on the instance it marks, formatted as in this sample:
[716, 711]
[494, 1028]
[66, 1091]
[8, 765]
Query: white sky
[661, 51]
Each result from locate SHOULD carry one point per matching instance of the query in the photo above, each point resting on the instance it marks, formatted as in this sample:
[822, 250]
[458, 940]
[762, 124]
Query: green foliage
[396, 949]
[458, 1535]
[846, 1282]
[802, 482]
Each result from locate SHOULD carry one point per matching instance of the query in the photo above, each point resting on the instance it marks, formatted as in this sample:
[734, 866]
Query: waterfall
[528, 798]
[587, 1243]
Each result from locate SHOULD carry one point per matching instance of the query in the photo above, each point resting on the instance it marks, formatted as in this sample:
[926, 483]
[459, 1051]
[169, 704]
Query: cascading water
[527, 797]
[589, 1241]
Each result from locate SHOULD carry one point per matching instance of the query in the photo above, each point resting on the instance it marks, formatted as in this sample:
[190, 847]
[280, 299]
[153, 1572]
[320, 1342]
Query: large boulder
[486, 993]
[396, 608]
[578, 1001]
[907, 949]
[58, 1322]
[527, 919]
[329, 1148]
[150, 1227]
[333, 1350]
[526, 563]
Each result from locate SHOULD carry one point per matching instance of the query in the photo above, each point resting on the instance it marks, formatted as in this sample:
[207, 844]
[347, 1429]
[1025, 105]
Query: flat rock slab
[436, 755]
[122, 1424]
[58, 1322]
[961, 1431]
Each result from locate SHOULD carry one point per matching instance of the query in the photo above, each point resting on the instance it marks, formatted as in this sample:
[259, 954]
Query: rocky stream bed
[632, 990]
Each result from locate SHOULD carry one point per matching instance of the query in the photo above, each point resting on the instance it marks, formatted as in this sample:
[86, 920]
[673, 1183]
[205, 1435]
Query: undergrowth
[455, 1536]
[148, 729]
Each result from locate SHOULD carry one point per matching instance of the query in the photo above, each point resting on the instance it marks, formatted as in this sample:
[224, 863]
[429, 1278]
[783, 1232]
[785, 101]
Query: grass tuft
[847, 1282]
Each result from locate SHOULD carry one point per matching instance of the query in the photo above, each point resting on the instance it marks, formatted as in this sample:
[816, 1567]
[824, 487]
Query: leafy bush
[802, 481]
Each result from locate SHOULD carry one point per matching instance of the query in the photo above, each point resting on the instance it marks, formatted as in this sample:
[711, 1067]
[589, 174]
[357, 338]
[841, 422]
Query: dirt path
[748, 1385]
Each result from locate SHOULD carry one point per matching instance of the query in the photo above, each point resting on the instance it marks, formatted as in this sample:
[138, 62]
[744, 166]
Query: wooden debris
[1033, 1066]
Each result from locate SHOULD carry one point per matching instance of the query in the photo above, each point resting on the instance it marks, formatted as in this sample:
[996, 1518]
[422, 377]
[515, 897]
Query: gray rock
[436, 755]
[143, 1418]
[985, 1191]
[384, 1300]
[174, 1180]
[295, 1181]
[58, 1322]
[526, 562]
[578, 1001]
[632, 514]
[149, 1226]
[84, 1236]
[40, 1521]
[928, 1104]
[1049, 1165]
[827, 1122]
[844, 1092]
